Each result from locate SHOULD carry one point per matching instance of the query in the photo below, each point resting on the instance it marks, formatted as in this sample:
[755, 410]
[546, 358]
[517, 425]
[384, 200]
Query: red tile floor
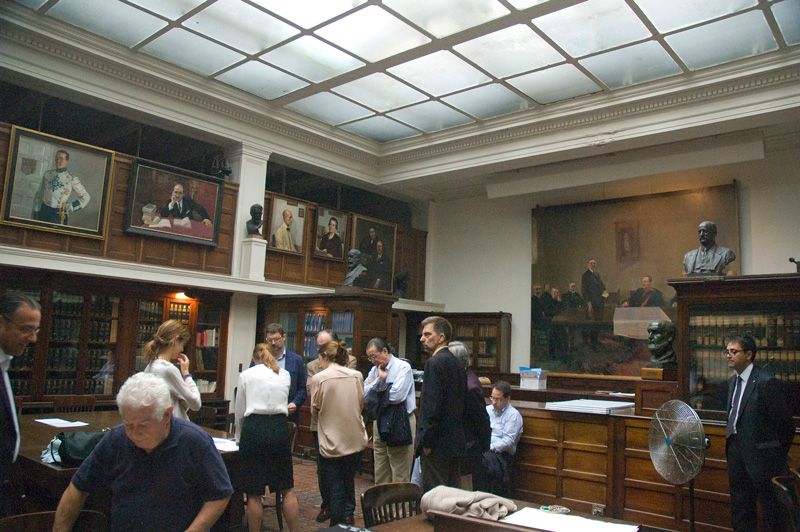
[307, 490]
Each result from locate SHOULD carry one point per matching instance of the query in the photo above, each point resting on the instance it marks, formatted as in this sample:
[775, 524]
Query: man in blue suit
[291, 362]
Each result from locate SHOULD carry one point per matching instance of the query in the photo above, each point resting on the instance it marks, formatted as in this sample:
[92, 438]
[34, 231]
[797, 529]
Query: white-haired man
[164, 473]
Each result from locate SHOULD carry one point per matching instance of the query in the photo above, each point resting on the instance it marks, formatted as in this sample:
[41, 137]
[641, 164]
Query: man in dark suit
[646, 296]
[20, 317]
[759, 433]
[291, 362]
[440, 441]
[179, 206]
[593, 289]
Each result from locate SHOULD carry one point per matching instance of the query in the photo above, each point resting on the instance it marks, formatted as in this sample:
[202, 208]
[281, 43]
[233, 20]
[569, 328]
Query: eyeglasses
[496, 399]
[274, 341]
[27, 330]
[372, 357]
[732, 352]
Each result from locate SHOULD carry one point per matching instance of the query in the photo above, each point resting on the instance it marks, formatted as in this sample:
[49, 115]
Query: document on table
[555, 522]
[225, 446]
[61, 423]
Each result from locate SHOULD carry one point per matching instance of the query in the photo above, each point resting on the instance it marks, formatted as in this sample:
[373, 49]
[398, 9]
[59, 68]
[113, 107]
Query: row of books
[100, 386]
[21, 386]
[768, 331]
[208, 338]
[105, 306]
[103, 331]
[146, 332]
[711, 364]
[310, 349]
[151, 310]
[179, 311]
[62, 357]
[68, 305]
[314, 322]
[23, 362]
[485, 330]
[342, 321]
[59, 387]
[66, 329]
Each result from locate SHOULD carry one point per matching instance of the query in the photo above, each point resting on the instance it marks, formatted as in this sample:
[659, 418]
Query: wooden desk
[45, 483]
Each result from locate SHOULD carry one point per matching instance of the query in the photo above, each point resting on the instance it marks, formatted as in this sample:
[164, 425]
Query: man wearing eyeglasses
[20, 317]
[291, 362]
[759, 433]
[506, 421]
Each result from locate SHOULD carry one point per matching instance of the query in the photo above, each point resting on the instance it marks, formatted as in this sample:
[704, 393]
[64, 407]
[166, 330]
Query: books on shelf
[208, 338]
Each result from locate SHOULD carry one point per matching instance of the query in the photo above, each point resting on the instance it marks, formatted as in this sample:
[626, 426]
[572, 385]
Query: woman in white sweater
[165, 355]
[265, 442]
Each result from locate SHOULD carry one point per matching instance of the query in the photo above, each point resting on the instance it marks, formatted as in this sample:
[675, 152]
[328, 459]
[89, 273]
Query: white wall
[480, 258]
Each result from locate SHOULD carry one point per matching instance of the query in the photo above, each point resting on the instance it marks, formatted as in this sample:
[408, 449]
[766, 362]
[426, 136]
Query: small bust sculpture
[255, 221]
[357, 272]
[709, 259]
[662, 334]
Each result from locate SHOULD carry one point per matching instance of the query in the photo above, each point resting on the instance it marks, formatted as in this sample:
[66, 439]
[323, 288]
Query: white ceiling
[394, 69]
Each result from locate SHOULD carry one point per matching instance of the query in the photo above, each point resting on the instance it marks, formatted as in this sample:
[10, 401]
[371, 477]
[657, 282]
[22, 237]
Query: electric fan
[677, 446]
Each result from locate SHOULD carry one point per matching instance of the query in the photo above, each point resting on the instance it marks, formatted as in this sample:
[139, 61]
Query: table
[45, 483]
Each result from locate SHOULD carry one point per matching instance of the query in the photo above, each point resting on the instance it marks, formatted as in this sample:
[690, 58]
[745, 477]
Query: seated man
[646, 296]
[164, 473]
[506, 421]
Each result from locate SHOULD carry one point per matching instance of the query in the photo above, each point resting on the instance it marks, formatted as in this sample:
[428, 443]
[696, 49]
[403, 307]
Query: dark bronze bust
[709, 259]
[662, 334]
[254, 223]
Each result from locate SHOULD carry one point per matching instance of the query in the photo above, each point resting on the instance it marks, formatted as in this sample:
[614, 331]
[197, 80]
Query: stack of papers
[61, 423]
[590, 406]
[531, 517]
[225, 446]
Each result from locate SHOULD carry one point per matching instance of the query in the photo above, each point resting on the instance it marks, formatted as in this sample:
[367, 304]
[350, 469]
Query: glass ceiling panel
[33, 4]
[116, 21]
[446, 17]
[430, 116]
[439, 73]
[787, 14]
[593, 26]
[191, 51]
[240, 25]
[373, 34]
[262, 80]
[525, 4]
[720, 42]
[312, 59]
[488, 101]
[381, 129]
[308, 13]
[671, 15]
[329, 108]
[172, 9]
[510, 51]
[380, 92]
[631, 65]
[553, 84]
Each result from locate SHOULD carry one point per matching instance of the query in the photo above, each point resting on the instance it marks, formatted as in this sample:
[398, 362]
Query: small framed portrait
[375, 240]
[330, 234]
[168, 202]
[55, 184]
[287, 225]
[627, 240]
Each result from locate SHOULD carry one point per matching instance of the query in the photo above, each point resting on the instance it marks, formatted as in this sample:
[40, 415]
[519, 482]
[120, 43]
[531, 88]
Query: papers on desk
[225, 446]
[554, 522]
[589, 406]
[61, 423]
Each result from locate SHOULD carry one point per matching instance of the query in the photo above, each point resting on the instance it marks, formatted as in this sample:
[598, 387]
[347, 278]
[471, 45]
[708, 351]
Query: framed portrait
[168, 202]
[55, 184]
[626, 236]
[330, 234]
[375, 240]
[287, 228]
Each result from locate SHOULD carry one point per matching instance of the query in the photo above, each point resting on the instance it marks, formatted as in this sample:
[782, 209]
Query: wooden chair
[384, 503]
[787, 489]
[205, 417]
[88, 521]
[18, 404]
[278, 502]
[63, 404]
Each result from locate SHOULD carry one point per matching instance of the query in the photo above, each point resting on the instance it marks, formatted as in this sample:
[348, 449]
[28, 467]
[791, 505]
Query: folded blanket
[471, 503]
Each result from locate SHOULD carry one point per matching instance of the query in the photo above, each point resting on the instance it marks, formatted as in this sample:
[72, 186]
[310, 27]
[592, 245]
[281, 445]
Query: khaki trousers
[393, 464]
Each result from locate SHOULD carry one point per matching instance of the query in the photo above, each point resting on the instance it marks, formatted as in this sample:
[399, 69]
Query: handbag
[71, 448]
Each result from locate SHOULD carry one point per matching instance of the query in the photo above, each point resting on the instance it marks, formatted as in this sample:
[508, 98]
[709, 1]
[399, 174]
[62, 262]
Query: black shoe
[348, 519]
[323, 515]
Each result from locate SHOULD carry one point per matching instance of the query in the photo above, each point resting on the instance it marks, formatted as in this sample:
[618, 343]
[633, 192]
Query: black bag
[393, 425]
[76, 446]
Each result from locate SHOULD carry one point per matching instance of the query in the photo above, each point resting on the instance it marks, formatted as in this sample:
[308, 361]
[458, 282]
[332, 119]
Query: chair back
[787, 489]
[205, 417]
[73, 403]
[293, 434]
[88, 521]
[384, 503]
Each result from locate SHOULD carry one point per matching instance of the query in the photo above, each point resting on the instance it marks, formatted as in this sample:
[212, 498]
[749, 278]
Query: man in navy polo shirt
[164, 473]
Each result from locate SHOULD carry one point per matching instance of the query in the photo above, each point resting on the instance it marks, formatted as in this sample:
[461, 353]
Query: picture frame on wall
[626, 236]
[375, 239]
[55, 184]
[287, 231]
[330, 234]
[172, 203]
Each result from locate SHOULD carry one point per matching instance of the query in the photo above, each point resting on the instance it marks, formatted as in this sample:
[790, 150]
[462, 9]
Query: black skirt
[265, 454]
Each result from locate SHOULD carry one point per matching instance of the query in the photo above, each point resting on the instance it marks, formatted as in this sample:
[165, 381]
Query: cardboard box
[533, 379]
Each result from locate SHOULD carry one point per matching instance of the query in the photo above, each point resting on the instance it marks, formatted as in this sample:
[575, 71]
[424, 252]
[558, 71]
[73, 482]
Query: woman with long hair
[265, 442]
[164, 354]
[337, 396]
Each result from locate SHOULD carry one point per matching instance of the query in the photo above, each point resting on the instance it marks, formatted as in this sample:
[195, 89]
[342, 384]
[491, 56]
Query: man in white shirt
[20, 317]
[392, 376]
[506, 422]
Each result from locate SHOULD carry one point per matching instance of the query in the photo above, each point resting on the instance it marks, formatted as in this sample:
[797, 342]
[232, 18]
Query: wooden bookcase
[93, 332]
[487, 336]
